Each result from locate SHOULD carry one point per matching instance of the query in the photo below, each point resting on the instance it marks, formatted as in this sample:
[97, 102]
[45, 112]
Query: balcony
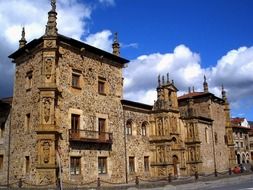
[90, 136]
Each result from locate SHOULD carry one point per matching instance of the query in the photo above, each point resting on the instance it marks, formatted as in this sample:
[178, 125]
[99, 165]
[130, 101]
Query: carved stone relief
[46, 108]
[161, 171]
[46, 151]
[48, 65]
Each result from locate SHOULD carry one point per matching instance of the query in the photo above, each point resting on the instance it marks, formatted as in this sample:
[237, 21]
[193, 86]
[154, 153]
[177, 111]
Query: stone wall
[90, 105]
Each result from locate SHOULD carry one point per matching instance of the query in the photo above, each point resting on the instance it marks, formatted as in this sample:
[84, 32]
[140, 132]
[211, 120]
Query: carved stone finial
[193, 90]
[223, 93]
[189, 90]
[205, 85]
[51, 29]
[115, 45]
[163, 80]
[159, 80]
[22, 41]
[53, 4]
[168, 78]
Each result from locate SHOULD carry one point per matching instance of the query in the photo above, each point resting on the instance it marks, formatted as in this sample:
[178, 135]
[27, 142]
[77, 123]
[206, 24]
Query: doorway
[175, 165]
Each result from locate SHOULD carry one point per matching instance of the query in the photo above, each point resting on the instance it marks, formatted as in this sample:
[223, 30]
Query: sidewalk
[186, 183]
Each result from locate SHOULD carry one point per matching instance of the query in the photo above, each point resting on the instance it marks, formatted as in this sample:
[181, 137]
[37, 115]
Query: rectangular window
[146, 163]
[27, 164]
[75, 80]
[1, 162]
[102, 165]
[131, 165]
[75, 122]
[27, 122]
[101, 85]
[2, 128]
[29, 77]
[75, 165]
[241, 144]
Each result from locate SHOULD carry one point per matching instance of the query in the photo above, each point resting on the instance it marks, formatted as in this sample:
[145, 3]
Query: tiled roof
[191, 94]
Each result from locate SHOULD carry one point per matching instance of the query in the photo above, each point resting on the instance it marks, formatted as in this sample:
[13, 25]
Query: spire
[163, 80]
[115, 45]
[159, 80]
[205, 85]
[22, 41]
[223, 93]
[51, 29]
[168, 78]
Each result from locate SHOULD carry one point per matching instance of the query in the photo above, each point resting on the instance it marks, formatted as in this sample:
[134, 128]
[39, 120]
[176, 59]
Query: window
[75, 80]
[2, 130]
[241, 144]
[1, 162]
[146, 163]
[129, 127]
[131, 165]
[27, 122]
[27, 164]
[240, 134]
[75, 165]
[75, 122]
[144, 129]
[101, 85]
[29, 77]
[225, 139]
[215, 138]
[101, 125]
[102, 165]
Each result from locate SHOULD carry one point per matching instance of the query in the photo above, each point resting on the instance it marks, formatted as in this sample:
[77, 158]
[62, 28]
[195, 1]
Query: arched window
[144, 128]
[129, 127]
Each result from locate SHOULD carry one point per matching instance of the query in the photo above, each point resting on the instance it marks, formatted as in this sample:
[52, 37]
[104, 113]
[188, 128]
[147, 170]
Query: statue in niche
[48, 63]
[46, 106]
[161, 154]
[46, 151]
[191, 154]
[160, 127]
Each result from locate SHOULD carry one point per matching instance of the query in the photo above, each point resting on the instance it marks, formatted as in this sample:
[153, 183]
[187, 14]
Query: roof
[136, 104]
[195, 95]
[192, 94]
[237, 120]
[7, 100]
[73, 42]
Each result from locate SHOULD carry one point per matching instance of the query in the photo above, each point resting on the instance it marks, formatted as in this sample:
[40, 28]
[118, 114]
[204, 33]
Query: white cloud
[234, 70]
[101, 40]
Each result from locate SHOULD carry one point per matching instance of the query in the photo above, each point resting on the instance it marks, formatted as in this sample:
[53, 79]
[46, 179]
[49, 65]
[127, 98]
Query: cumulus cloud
[101, 40]
[234, 70]
[33, 15]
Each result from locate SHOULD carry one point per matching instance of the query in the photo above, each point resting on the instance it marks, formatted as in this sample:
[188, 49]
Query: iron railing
[90, 136]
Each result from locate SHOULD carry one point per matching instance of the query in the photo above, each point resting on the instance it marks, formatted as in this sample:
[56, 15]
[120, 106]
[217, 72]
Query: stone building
[241, 132]
[69, 120]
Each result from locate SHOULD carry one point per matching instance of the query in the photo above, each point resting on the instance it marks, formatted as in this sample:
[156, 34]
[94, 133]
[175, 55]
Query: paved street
[242, 185]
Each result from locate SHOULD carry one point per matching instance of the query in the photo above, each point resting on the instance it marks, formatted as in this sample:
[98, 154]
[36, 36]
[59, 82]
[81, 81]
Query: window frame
[76, 74]
[102, 165]
[101, 86]
[131, 164]
[1, 162]
[129, 127]
[27, 164]
[75, 122]
[146, 163]
[75, 165]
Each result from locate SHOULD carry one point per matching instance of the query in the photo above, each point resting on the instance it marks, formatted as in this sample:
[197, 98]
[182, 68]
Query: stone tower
[229, 131]
[166, 143]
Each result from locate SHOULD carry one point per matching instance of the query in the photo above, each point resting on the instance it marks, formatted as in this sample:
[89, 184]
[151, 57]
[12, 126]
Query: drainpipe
[125, 141]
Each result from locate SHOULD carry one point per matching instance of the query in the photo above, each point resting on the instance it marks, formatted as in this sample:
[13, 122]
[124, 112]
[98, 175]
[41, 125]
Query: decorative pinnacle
[168, 78]
[159, 80]
[22, 41]
[163, 81]
[53, 4]
[115, 38]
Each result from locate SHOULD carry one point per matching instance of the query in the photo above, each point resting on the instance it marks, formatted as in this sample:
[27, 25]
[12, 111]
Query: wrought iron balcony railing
[90, 136]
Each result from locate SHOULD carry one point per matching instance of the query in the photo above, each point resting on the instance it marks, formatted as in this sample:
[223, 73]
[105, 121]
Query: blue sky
[187, 38]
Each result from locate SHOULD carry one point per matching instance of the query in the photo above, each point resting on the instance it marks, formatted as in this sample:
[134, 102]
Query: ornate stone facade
[69, 121]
